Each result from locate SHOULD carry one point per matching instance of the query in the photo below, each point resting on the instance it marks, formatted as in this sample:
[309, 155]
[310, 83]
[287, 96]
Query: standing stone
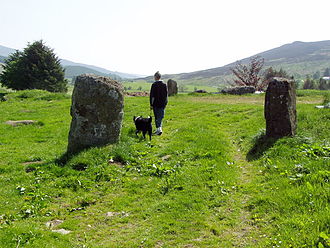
[280, 108]
[97, 112]
[172, 87]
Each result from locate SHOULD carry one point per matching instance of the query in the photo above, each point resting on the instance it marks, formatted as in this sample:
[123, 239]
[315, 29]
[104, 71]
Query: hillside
[2, 59]
[98, 70]
[5, 51]
[73, 71]
[67, 64]
[298, 59]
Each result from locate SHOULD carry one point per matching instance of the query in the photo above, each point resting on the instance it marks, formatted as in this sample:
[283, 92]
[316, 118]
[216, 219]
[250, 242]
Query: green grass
[145, 86]
[211, 180]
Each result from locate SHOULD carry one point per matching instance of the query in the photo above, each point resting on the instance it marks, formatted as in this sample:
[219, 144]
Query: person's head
[157, 76]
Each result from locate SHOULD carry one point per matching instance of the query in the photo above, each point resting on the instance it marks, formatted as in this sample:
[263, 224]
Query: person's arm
[152, 97]
[166, 94]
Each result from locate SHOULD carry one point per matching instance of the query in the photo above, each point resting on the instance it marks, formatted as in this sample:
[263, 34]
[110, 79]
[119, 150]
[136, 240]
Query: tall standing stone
[172, 87]
[280, 108]
[97, 112]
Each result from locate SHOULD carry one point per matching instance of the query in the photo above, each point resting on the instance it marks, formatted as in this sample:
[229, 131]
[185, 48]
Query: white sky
[172, 36]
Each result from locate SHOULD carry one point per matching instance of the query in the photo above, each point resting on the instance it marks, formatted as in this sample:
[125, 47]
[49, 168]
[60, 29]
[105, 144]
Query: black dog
[143, 125]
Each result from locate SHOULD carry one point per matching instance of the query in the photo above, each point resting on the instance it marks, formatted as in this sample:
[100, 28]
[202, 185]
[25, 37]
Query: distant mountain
[5, 51]
[65, 63]
[73, 71]
[68, 65]
[2, 59]
[298, 59]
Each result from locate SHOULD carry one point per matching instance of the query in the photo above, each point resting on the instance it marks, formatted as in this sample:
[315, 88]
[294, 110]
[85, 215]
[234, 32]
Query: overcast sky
[172, 36]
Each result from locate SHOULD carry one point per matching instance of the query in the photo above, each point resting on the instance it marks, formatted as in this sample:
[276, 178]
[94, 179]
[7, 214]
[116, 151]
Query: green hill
[73, 71]
[2, 59]
[98, 70]
[298, 59]
[81, 68]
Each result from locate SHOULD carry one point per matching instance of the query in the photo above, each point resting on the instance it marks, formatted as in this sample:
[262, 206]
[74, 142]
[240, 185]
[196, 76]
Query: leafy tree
[271, 72]
[249, 75]
[309, 83]
[37, 67]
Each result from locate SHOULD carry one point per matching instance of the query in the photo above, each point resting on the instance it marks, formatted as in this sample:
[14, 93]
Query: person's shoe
[158, 131]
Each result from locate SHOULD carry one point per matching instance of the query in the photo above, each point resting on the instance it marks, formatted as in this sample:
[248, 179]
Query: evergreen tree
[37, 67]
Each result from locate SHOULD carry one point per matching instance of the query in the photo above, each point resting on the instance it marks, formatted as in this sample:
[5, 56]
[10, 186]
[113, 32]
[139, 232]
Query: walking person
[158, 101]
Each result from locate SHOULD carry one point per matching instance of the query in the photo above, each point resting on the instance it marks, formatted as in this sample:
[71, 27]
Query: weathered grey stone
[97, 112]
[239, 90]
[54, 223]
[172, 87]
[62, 231]
[280, 108]
[22, 122]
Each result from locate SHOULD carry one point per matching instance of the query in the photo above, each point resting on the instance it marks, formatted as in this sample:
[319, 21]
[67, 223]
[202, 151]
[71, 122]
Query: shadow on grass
[138, 136]
[66, 157]
[261, 144]
[3, 97]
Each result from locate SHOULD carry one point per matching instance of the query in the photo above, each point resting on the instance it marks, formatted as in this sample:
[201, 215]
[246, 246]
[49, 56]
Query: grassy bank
[211, 180]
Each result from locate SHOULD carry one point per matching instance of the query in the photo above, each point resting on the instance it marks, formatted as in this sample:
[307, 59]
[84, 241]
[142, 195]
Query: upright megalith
[97, 112]
[280, 108]
[172, 87]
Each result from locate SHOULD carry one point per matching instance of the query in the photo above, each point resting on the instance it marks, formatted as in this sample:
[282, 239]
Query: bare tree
[249, 75]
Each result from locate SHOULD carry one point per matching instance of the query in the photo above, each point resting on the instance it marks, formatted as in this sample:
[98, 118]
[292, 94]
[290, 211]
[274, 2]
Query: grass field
[211, 180]
[144, 86]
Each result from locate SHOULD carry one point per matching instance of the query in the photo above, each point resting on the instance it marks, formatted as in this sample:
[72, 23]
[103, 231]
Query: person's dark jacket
[158, 94]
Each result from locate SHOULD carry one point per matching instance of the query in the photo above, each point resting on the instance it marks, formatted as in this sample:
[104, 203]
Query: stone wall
[239, 90]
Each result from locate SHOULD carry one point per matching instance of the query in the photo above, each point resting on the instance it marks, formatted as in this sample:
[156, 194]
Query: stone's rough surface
[97, 112]
[172, 87]
[280, 108]
[22, 122]
[54, 223]
[240, 90]
[62, 231]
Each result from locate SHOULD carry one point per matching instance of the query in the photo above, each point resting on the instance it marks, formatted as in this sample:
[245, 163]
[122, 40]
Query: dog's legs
[150, 133]
[144, 134]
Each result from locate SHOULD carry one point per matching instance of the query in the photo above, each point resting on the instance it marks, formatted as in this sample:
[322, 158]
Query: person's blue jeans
[159, 115]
